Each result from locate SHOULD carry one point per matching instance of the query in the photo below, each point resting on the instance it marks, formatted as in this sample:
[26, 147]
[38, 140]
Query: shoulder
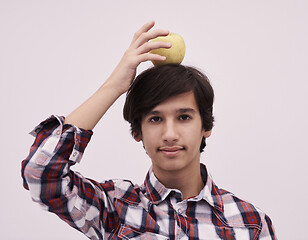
[127, 191]
[241, 210]
[120, 189]
[240, 213]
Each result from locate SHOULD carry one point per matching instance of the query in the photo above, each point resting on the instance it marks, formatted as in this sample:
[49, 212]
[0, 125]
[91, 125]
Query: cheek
[148, 140]
[193, 132]
[149, 147]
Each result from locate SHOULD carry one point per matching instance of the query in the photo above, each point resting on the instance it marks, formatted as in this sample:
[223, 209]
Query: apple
[175, 54]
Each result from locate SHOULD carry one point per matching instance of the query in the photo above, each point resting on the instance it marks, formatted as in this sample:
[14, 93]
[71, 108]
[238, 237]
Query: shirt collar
[157, 192]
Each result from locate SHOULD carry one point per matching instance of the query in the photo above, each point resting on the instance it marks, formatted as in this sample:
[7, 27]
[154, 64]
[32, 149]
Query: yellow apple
[175, 54]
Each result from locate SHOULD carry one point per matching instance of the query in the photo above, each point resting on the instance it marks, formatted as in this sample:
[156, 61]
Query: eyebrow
[180, 110]
[186, 110]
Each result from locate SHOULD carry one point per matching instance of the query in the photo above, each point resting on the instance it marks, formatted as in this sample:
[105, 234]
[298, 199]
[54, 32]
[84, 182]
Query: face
[172, 133]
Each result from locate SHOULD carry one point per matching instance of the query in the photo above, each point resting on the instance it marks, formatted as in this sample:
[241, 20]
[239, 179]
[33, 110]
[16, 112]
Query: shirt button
[74, 154]
[180, 211]
[58, 132]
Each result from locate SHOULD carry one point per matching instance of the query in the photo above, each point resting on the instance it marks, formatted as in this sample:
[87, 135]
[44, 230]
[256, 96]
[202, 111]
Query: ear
[207, 134]
[138, 138]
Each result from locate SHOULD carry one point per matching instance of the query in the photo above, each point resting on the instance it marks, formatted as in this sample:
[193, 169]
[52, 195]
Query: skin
[93, 109]
[171, 134]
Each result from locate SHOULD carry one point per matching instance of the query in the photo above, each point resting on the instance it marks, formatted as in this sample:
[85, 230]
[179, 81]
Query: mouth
[171, 151]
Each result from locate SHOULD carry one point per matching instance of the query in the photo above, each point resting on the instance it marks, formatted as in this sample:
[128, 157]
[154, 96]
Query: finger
[148, 46]
[145, 28]
[147, 36]
[150, 57]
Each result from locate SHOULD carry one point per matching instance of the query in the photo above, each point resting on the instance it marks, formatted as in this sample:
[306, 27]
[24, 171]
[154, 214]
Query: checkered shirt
[118, 209]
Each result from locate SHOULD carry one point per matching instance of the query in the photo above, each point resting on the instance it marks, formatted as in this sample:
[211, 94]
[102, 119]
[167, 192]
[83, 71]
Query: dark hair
[156, 84]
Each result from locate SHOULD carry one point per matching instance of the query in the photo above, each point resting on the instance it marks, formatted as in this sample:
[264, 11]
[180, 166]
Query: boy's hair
[156, 84]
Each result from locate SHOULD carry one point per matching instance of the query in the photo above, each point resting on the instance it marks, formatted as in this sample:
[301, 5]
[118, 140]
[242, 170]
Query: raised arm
[91, 111]
[83, 203]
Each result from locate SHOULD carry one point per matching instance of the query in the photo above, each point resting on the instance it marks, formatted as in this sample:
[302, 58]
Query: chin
[172, 166]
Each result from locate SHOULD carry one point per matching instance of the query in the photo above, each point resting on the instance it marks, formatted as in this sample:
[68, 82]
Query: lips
[171, 151]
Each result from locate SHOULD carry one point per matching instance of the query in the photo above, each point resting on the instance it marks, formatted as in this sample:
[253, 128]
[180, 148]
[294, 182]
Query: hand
[88, 114]
[138, 52]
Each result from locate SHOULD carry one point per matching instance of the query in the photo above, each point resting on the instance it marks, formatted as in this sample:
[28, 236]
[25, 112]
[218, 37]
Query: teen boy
[170, 111]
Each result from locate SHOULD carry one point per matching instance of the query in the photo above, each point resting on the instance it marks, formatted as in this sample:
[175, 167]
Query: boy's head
[157, 84]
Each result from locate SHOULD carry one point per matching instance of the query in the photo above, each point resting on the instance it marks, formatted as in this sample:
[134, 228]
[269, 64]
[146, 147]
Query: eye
[184, 117]
[155, 119]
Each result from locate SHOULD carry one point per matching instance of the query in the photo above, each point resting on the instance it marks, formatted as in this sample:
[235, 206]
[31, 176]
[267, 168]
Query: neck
[190, 183]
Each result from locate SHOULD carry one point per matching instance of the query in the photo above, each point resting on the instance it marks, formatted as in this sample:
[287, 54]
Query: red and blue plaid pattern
[118, 209]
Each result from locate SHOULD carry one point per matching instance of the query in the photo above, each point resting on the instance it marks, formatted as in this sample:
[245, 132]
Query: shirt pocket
[128, 232]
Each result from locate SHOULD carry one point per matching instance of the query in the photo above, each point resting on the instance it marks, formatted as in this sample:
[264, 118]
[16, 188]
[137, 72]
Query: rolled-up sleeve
[56, 147]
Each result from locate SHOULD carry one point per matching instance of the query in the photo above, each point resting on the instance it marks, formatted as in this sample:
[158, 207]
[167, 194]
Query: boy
[170, 111]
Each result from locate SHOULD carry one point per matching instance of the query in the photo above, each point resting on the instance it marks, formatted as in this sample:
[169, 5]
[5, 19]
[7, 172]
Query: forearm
[90, 112]
[87, 115]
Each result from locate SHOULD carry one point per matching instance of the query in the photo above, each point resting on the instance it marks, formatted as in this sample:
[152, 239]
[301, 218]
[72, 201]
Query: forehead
[176, 103]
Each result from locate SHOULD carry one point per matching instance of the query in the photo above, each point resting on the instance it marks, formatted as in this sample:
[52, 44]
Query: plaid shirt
[118, 209]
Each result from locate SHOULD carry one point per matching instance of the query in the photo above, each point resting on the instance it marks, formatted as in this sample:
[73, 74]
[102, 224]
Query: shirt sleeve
[83, 203]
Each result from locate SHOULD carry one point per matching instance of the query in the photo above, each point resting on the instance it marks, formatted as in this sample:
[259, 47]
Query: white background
[55, 54]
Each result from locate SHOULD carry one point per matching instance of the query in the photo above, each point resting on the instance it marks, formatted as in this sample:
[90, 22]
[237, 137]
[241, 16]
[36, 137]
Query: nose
[170, 132]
